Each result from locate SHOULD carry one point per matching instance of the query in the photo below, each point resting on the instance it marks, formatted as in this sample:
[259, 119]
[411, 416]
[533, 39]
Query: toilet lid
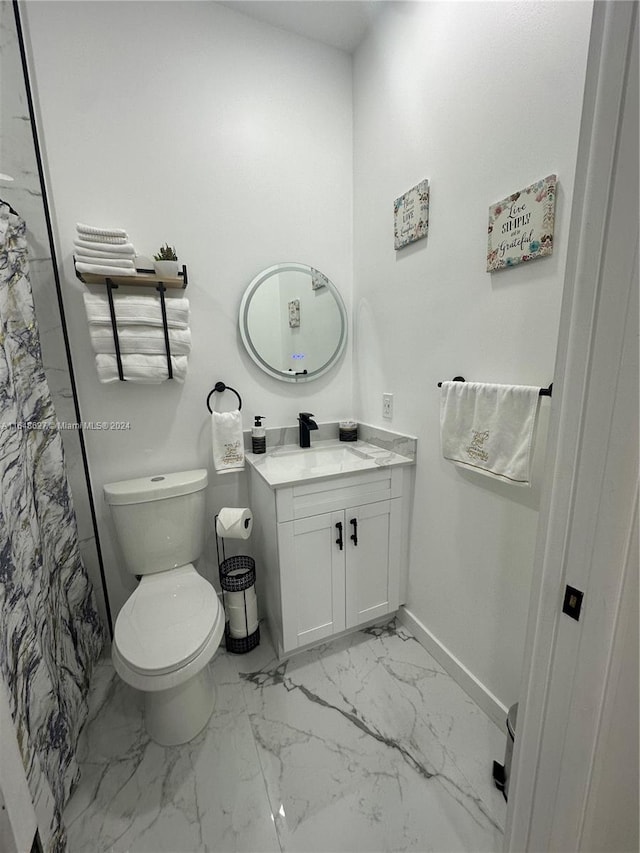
[167, 620]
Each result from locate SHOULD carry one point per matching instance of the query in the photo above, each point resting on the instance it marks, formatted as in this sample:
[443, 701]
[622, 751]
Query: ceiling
[339, 23]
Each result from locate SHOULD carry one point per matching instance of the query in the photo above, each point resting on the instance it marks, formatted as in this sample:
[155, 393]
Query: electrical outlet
[387, 406]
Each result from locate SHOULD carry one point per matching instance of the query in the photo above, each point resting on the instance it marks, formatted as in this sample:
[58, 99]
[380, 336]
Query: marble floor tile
[135, 795]
[346, 745]
[363, 744]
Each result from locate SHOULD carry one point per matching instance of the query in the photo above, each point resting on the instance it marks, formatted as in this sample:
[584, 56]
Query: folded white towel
[113, 249]
[102, 232]
[138, 310]
[105, 262]
[489, 428]
[228, 442]
[149, 369]
[104, 241]
[98, 269]
[140, 339]
[97, 255]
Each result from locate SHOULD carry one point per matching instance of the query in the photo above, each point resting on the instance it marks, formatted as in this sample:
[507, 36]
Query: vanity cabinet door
[338, 570]
[373, 560]
[312, 572]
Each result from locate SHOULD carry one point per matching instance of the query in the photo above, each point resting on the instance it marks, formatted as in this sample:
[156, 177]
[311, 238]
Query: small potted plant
[165, 262]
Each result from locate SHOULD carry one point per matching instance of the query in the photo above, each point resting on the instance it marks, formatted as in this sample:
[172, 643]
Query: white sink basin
[321, 454]
[290, 464]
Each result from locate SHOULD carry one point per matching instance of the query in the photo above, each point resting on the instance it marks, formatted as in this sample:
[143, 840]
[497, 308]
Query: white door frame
[586, 518]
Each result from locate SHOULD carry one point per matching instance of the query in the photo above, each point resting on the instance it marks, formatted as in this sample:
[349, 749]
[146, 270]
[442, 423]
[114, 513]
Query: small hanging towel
[489, 428]
[228, 441]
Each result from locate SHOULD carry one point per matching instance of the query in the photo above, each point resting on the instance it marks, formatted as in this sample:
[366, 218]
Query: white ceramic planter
[166, 269]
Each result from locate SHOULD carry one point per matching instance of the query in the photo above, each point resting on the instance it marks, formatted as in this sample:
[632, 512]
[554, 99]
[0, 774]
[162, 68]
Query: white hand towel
[489, 428]
[122, 261]
[113, 249]
[140, 339]
[98, 269]
[102, 232]
[138, 310]
[148, 369]
[228, 442]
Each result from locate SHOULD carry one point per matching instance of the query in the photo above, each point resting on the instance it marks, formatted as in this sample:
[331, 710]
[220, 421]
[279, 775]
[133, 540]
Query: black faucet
[306, 425]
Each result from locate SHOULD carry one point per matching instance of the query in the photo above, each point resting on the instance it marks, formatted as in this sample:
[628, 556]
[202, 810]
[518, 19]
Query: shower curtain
[50, 631]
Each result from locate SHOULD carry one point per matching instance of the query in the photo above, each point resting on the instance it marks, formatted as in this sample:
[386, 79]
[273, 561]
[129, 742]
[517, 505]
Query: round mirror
[293, 322]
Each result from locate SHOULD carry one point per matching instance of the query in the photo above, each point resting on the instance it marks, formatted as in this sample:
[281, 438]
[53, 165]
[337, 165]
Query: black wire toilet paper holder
[237, 574]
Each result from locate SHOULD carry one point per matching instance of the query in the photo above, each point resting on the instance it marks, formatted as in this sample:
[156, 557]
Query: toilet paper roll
[241, 624]
[234, 522]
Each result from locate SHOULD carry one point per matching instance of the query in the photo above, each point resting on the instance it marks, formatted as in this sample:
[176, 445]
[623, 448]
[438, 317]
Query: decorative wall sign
[411, 215]
[318, 279]
[521, 226]
[294, 313]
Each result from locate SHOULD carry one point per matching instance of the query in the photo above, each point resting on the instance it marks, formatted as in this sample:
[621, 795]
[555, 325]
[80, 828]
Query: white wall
[190, 123]
[482, 99]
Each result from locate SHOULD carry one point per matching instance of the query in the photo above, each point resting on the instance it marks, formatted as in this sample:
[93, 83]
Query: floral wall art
[411, 215]
[521, 226]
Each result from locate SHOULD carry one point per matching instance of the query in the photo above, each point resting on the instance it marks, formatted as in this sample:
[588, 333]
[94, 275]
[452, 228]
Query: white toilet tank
[159, 520]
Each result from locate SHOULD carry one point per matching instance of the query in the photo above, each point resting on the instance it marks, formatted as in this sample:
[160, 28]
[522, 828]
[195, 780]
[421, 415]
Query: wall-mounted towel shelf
[544, 392]
[144, 278]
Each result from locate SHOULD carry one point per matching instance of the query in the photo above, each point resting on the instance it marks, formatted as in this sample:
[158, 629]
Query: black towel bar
[544, 392]
[220, 386]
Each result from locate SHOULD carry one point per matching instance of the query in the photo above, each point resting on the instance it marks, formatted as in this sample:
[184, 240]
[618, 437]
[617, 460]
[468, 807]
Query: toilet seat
[167, 621]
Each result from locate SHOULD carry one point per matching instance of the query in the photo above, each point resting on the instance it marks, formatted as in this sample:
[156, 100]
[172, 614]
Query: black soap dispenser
[258, 436]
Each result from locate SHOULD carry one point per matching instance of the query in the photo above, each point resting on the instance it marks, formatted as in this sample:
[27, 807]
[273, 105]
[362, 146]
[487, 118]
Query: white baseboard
[480, 694]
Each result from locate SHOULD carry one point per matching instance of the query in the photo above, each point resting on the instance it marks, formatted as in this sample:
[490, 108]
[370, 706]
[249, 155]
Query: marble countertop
[287, 465]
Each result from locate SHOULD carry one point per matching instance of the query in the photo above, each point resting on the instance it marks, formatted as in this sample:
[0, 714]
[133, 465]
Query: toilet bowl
[170, 627]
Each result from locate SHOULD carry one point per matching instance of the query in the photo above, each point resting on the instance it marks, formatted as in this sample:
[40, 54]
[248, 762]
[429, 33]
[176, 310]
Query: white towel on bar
[101, 232]
[141, 339]
[112, 249]
[228, 441]
[122, 261]
[99, 269]
[149, 369]
[139, 310]
[489, 428]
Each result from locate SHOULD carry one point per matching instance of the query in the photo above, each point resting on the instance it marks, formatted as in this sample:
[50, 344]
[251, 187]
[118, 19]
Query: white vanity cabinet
[330, 552]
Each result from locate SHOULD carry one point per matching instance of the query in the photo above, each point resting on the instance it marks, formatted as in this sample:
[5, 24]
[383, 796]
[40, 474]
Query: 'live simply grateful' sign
[411, 215]
[521, 226]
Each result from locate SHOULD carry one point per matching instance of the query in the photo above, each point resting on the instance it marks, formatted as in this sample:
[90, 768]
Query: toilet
[170, 627]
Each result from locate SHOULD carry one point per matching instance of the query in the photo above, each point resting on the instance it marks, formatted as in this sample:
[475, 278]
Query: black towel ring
[220, 386]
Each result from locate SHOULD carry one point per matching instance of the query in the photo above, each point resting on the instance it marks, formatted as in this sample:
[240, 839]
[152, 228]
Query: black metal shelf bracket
[161, 290]
[114, 325]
